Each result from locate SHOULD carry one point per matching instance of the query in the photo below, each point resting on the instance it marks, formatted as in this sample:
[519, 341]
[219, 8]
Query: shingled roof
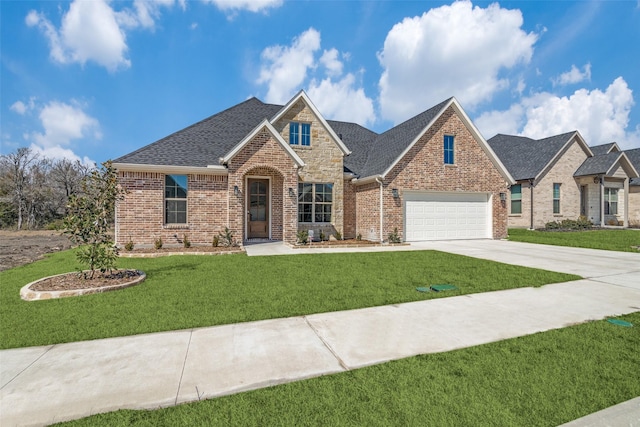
[203, 143]
[634, 157]
[604, 148]
[526, 158]
[597, 165]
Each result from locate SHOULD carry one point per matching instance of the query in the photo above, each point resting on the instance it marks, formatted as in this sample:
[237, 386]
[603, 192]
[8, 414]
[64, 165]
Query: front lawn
[184, 292]
[611, 240]
[544, 379]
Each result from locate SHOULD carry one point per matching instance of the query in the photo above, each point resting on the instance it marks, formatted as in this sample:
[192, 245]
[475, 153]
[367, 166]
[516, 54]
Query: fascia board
[171, 169]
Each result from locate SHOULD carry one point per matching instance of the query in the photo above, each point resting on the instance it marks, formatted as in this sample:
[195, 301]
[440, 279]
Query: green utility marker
[422, 289]
[445, 287]
[620, 322]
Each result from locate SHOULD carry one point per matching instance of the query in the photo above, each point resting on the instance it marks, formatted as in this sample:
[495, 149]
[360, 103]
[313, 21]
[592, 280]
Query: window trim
[449, 150]
[512, 199]
[297, 134]
[557, 199]
[607, 200]
[176, 199]
[314, 203]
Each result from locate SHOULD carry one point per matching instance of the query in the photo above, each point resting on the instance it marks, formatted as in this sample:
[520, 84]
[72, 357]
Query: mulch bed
[76, 280]
[181, 249]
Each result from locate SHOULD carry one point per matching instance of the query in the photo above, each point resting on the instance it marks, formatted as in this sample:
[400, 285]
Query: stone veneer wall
[140, 216]
[423, 169]
[634, 205]
[561, 172]
[264, 157]
[323, 162]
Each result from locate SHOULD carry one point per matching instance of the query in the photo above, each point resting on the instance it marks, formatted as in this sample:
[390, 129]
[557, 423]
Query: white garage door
[447, 216]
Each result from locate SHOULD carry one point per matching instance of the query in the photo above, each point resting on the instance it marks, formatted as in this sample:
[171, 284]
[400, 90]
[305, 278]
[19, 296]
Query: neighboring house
[269, 171]
[561, 177]
[634, 189]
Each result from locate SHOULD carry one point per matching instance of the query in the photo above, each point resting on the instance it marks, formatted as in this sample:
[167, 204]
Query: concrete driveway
[42, 385]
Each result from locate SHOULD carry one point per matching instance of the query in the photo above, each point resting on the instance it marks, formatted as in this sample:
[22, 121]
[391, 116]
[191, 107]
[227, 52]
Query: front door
[258, 213]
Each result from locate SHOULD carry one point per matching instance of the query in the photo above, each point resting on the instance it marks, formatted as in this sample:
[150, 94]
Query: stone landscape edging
[28, 294]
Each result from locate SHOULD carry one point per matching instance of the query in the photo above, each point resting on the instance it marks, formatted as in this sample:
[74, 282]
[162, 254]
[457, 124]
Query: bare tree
[16, 174]
[66, 177]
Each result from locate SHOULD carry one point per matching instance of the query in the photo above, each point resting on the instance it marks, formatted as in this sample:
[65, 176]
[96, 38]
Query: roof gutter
[367, 180]
[169, 169]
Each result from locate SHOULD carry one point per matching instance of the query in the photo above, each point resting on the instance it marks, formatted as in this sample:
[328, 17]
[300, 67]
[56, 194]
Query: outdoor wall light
[503, 196]
[291, 192]
[235, 190]
[394, 193]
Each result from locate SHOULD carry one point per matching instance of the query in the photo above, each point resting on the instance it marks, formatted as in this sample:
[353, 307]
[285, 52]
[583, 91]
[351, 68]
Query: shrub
[338, 235]
[158, 243]
[216, 241]
[129, 245]
[322, 235]
[89, 218]
[185, 241]
[394, 237]
[358, 237]
[302, 237]
[553, 225]
[226, 238]
[584, 222]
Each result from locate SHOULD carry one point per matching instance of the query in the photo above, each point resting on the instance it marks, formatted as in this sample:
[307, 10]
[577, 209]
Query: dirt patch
[23, 247]
[75, 281]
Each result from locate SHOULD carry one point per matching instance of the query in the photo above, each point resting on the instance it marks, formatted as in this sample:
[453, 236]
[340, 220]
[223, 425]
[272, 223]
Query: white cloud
[89, 32]
[92, 31]
[23, 108]
[250, 5]
[342, 101]
[573, 76]
[599, 116]
[64, 123]
[19, 107]
[284, 68]
[58, 153]
[457, 50]
[331, 62]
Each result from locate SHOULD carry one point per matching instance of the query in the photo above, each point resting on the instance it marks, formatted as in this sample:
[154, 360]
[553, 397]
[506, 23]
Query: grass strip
[184, 292]
[544, 379]
[610, 240]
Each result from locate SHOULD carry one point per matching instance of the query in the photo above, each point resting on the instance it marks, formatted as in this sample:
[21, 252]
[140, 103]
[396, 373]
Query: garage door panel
[445, 216]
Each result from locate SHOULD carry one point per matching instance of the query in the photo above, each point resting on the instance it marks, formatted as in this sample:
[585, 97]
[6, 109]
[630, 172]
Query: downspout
[602, 219]
[379, 181]
[531, 183]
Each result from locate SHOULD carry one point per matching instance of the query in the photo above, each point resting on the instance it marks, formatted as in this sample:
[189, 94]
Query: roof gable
[606, 164]
[528, 158]
[303, 96]
[266, 125]
[605, 148]
[634, 158]
[391, 146]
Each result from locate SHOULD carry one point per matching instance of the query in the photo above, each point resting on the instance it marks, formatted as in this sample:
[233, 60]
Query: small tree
[89, 218]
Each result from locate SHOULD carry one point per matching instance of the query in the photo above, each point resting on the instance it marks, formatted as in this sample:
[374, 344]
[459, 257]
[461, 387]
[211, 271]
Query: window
[314, 202]
[516, 199]
[448, 150]
[611, 201]
[300, 134]
[556, 198]
[175, 199]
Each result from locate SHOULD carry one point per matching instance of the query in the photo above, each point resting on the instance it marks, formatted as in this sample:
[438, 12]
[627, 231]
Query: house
[634, 189]
[269, 171]
[561, 177]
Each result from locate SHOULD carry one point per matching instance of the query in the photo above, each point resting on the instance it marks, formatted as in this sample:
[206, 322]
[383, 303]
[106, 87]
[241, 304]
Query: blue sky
[94, 80]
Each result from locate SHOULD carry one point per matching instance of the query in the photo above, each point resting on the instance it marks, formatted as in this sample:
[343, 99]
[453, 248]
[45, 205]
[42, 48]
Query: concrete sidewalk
[42, 385]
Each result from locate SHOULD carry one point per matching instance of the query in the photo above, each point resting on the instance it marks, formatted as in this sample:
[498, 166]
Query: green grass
[544, 379]
[611, 240]
[193, 291]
